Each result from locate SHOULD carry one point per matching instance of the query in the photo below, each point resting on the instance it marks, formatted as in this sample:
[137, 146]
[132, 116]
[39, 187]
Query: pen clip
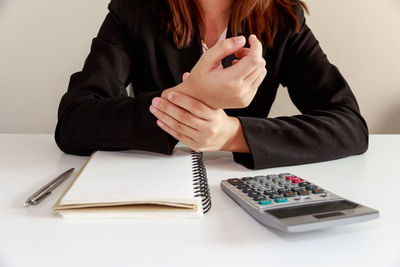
[39, 199]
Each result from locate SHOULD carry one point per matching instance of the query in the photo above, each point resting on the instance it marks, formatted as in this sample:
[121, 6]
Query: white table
[226, 236]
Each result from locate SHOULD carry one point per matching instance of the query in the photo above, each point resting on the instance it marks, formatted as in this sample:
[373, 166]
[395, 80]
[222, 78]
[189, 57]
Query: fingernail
[160, 123]
[153, 109]
[170, 96]
[239, 40]
[253, 36]
[155, 102]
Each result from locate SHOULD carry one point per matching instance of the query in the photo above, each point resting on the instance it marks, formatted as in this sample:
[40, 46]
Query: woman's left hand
[195, 124]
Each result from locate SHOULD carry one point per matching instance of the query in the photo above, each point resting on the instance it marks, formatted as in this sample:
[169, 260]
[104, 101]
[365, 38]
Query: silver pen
[45, 191]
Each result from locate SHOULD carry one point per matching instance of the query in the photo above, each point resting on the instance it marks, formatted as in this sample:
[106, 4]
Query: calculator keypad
[264, 190]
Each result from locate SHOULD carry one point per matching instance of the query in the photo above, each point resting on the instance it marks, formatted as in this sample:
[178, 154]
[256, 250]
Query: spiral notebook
[137, 184]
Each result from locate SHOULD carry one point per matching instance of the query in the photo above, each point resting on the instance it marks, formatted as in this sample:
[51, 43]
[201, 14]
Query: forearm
[314, 137]
[89, 123]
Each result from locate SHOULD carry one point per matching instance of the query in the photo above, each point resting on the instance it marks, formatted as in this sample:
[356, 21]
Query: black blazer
[132, 46]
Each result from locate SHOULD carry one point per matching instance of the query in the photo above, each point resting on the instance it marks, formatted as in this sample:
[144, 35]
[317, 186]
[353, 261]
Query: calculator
[290, 203]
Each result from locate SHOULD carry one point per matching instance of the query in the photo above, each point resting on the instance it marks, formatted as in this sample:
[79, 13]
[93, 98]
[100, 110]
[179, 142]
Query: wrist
[236, 142]
[181, 88]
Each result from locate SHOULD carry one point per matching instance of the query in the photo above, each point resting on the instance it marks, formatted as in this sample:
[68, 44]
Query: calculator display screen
[311, 209]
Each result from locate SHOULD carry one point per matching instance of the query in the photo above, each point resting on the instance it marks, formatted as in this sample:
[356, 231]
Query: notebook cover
[132, 182]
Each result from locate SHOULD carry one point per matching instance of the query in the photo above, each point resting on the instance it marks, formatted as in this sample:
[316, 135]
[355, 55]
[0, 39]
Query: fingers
[241, 53]
[255, 46]
[224, 48]
[175, 116]
[172, 123]
[194, 106]
[177, 135]
[249, 63]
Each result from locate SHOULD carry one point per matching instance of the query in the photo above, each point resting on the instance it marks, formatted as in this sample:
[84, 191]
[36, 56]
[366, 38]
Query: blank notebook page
[134, 177]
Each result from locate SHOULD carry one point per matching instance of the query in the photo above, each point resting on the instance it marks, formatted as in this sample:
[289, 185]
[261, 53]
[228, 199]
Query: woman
[227, 90]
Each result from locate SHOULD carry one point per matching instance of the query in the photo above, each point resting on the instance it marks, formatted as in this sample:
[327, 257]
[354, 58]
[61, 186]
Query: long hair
[261, 17]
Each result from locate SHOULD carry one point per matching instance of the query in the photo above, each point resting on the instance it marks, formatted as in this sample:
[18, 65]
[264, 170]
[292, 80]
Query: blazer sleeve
[96, 113]
[330, 126]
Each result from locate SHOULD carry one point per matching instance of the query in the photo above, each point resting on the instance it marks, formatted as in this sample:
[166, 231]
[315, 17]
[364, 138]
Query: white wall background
[43, 42]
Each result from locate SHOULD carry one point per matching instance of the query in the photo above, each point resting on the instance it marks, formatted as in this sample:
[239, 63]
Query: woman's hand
[232, 87]
[198, 126]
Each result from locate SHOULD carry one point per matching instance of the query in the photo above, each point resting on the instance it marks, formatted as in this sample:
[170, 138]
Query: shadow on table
[236, 226]
[324, 233]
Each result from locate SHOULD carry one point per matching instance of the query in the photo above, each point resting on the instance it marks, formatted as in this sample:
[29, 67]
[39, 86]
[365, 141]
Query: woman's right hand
[232, 87]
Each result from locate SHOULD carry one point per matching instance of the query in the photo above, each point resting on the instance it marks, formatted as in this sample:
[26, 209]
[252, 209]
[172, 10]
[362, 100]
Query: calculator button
[283, 191]
[259, 195]
[318, 191]
[291, 194]
[252, 193]
[246, 189]
[243, 186]
[277, 187]
[270, 192]
[281, 199]
[251, 182]
[311, 187]
[255, 194]
[274, 178]
[265, 202]
[304, 193]
[235, 181]
[297, 189]
[262, 188]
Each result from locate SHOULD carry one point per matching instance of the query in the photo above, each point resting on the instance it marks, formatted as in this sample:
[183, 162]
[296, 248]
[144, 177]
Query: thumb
[225, 48]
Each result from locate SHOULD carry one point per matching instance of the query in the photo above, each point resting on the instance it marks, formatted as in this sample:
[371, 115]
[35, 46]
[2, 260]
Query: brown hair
[261, 17]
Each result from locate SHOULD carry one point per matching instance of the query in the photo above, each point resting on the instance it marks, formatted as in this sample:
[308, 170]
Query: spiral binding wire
[200, 182]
